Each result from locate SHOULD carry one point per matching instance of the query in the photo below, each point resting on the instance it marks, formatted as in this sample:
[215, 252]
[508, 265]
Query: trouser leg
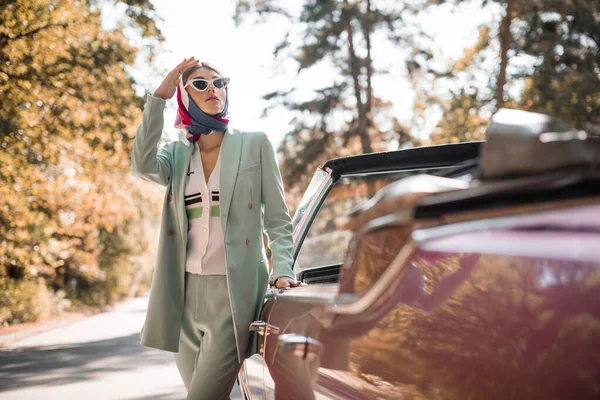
[207, 358]
[190, 338]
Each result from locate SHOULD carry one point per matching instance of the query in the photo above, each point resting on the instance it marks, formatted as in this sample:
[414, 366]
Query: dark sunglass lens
[219, 83]
[200, 85]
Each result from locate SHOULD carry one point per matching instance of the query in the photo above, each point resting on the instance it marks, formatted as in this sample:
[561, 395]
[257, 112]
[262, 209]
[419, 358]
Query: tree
[564, 40]
[554, 50]
[466, 114]
[341, 118]
[505, 38]
[67, 120]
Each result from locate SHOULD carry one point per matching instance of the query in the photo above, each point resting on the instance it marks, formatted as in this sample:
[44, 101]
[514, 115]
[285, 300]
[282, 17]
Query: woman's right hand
[166, 90]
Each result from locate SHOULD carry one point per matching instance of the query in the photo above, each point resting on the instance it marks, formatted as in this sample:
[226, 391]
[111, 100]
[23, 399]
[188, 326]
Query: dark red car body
[491, 291]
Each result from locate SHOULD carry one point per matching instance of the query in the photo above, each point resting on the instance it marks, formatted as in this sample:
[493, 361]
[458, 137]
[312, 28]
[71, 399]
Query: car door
[255, 379]
[496, 308]
[503, 306]
[319, 247]
[318, 262]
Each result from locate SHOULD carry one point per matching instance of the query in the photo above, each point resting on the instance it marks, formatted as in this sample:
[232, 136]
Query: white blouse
[206, 244]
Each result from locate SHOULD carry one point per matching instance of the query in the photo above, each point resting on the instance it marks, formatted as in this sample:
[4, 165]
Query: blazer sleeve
[147, 162]
[277, 221]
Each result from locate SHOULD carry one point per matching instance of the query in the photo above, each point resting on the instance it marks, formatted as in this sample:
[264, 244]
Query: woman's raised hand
[166, 90]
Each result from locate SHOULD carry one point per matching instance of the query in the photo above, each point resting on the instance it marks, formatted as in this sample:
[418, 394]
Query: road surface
[98, 358]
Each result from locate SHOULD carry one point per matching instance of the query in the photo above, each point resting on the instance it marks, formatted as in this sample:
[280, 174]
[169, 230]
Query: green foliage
[23, 301]
[463, 122]
[550, 49]
[557, 44]
[67, 120]
[564, 38]
[339, 119]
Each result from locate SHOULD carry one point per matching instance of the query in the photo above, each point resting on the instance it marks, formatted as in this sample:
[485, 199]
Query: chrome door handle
[263, 328]
[300, 346]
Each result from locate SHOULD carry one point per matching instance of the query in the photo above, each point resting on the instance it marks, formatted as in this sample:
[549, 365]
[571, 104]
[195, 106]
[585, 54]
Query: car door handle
[300, 346]
[263, 328]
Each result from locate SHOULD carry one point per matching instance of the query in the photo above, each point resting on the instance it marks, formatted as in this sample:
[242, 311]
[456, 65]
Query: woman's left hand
[285, 282]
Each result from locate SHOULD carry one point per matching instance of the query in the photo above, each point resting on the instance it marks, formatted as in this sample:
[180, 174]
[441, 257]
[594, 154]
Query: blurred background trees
[536, 55]
[344, 117]
[547, 50]
[72, 228]
[71, 223]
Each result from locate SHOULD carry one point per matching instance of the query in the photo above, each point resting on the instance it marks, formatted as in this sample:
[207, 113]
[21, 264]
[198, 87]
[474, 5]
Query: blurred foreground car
[466, 271]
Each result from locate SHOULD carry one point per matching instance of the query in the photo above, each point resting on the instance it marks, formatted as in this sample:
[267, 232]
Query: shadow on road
[162, 396]
[64, 364]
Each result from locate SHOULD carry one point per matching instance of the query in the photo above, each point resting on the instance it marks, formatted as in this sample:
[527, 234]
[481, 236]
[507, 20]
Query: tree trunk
[355, 72]
[505, 42]
[367, 26]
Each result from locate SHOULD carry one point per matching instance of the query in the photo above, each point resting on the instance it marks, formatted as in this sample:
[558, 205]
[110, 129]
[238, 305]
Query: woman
[211, 275]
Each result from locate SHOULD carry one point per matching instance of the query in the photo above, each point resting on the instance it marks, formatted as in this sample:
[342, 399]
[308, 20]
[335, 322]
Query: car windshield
[314, 187]
[323, 243]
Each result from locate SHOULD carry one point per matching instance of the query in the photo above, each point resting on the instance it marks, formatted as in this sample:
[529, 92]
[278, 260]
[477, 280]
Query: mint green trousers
[207, 358]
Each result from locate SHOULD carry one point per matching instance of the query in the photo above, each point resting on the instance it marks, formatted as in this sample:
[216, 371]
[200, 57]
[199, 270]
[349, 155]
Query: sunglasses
[202, 84]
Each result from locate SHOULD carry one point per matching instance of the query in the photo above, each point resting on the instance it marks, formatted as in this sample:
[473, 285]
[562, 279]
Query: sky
[205, 29]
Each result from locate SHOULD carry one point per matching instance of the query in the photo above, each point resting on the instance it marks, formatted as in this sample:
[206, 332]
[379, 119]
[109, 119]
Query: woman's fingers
[185, 64]
[285, 282]
[167, 88]
[178, 71]
[179, 68]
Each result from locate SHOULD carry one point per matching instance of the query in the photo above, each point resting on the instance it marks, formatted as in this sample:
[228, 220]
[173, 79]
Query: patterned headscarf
[195, 121]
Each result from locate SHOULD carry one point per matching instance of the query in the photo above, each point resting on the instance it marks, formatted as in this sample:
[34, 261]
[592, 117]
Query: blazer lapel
[230, 160]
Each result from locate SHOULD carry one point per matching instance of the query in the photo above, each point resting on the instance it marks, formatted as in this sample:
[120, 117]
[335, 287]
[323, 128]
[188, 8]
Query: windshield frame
[314, 196]
[323, 183]
[456, 159]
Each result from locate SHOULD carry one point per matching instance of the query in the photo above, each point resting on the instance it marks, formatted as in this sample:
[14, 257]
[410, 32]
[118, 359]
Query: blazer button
[170, 198]
[247, 241]
[250, 205]
[170, 232]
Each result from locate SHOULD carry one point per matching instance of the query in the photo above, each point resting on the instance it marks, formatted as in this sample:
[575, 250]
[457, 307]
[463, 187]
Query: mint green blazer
[250, 183]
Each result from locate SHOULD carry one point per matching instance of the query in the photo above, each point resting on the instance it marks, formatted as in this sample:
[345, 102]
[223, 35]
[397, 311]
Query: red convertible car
[463, 271]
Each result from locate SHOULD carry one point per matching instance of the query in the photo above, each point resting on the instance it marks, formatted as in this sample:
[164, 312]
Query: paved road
[98, 358]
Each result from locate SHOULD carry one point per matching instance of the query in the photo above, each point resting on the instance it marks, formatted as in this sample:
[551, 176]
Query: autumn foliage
[71, 217]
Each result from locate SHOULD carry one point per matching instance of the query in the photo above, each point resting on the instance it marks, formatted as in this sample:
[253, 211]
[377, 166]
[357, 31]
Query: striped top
[206, 244]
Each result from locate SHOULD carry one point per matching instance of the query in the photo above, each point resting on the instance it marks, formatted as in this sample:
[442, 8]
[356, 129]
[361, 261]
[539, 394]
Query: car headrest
[520, 143]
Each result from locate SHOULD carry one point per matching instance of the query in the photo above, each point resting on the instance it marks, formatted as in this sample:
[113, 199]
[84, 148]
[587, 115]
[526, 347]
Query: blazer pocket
[248, 169]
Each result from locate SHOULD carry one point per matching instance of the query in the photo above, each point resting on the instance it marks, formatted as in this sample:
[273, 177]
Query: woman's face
[212, 100]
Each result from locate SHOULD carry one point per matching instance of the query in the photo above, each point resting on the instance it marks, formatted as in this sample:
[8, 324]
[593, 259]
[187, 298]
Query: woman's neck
[211, 142]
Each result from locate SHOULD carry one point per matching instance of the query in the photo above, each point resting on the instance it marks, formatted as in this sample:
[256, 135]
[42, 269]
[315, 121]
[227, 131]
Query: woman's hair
[186, 74]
